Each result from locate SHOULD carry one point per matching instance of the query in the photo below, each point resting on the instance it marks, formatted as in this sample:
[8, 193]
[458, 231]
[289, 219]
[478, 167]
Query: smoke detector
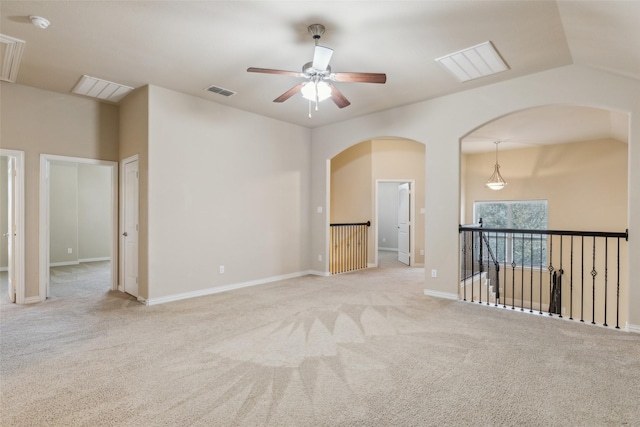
[40, 22]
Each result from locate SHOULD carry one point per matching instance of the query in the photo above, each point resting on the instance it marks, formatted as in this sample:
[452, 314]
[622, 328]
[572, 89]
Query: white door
[11, 227]
[130, 228]
[404, 223]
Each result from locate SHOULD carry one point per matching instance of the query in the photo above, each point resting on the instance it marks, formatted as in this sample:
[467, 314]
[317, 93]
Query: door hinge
[136, 227]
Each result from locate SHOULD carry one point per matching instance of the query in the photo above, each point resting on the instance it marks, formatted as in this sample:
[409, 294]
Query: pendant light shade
[496, 182]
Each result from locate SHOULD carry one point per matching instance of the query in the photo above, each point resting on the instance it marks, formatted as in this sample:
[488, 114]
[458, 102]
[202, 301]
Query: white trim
[438, 294]
[31, 300]
[45, 163]
[633, 328]
[319, 273]
[217, 290]
[62, 264]
[104, 258]
[3, 269]
[388, 249]
[19, 242]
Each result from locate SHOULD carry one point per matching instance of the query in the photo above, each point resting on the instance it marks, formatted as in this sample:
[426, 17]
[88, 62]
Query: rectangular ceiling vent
[221, 91]
[101, 89]
[474, 62]
[10, 56]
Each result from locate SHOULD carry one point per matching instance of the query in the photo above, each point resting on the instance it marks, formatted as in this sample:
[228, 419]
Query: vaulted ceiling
[188, 46]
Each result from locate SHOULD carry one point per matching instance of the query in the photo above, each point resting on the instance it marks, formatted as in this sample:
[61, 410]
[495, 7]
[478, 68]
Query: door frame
[412, 216]
[45, 166]
[121, 230]
[18, 249]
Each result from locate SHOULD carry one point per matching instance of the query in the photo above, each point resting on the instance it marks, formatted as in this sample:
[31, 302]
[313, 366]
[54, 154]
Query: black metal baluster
[618, 290]
[571, 283]
[473, 261]
[550, 273]
[522, 277]
[531, 274]
[582, 282]
[504, 254]
[606, 273]
[540, 278]
[559, 283]
[481, 269]
[497, 274]
[594, 273]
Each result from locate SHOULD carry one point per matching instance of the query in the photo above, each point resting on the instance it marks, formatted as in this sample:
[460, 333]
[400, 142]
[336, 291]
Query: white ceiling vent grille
[474, 62]
[10, 56]
[101, 89]
[221, 91]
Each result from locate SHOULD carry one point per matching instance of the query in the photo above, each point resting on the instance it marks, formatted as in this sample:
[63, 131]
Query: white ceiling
[189, 45]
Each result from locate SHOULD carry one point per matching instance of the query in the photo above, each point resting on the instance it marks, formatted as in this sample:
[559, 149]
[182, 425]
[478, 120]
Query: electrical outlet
[221, 269]
[421, 251]
[434, 273]
[320, 258]
[69, 250]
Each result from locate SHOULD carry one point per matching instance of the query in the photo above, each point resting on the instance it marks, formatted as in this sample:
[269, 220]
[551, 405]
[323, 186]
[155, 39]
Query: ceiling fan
[318, 86]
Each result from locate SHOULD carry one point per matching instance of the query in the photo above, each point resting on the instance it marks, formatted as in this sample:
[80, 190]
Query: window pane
[529, 215]
[494, 215]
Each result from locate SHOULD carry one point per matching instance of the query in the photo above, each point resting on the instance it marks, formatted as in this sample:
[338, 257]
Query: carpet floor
[366, 348]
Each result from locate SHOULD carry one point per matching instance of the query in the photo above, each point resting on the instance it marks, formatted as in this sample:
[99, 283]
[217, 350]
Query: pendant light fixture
[496, 182]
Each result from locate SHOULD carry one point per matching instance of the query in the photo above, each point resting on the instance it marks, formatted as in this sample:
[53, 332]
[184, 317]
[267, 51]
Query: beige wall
[94, 212]
[226, 188]
[584, 182]
[63, 213]
[354, 173]
[41, 122]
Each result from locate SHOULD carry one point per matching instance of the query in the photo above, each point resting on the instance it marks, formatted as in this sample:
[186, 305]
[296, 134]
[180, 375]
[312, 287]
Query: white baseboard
[319, 273]
[4, 268]
[217, 290]
[388, 249]
[32, 300]
[95, 259]
[633, 328]
[60, 264]
[438, 294]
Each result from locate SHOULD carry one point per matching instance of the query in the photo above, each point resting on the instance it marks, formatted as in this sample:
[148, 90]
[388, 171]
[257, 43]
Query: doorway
[12, 252]
[78, 225]
[395, 210]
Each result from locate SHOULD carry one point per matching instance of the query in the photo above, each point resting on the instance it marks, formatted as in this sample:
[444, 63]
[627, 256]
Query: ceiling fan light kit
[319, 76]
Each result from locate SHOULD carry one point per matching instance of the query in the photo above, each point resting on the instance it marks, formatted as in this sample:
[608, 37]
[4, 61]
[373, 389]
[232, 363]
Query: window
[521, 249]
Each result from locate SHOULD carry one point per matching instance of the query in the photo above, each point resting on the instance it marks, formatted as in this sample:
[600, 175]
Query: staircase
[474, 289]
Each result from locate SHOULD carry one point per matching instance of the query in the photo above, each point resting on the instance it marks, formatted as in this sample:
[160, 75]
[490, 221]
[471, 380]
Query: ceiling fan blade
[271, 71]
[288, 94]
[359, 77]
[321, 58]
[338, 97]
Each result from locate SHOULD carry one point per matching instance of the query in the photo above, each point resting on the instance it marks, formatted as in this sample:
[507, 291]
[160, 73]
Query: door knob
[125, 234]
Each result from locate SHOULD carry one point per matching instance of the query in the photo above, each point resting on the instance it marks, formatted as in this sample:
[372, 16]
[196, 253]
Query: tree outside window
[523, 249]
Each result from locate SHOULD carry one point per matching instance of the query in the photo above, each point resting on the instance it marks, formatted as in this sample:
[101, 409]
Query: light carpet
[361, 349]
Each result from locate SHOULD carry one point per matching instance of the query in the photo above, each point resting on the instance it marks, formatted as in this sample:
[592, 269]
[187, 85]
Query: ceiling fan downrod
[316, 31]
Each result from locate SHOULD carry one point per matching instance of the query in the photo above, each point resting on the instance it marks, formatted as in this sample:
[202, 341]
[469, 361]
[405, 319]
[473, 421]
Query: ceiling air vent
[474, 62]
[101, 89]
[221, 91]
[10, 56]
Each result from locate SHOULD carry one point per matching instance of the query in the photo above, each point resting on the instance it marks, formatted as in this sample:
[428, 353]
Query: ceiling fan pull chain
[309, 108]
